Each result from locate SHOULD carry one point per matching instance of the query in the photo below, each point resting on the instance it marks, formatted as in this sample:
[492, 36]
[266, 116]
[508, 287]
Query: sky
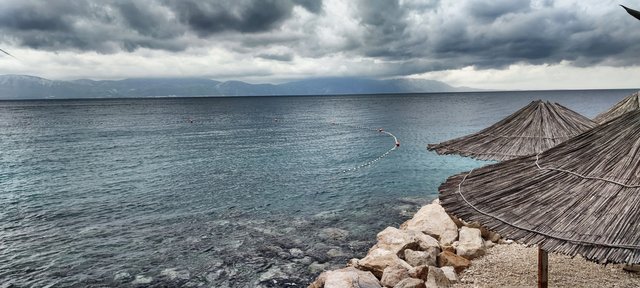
[489, 44]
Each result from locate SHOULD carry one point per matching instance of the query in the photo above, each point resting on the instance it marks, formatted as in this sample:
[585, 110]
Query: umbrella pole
[543, 268]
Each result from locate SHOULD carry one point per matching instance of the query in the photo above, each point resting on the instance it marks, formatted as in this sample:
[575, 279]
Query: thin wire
[585, 177]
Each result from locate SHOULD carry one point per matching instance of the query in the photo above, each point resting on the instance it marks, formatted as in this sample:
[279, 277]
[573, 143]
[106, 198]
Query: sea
[225, 192]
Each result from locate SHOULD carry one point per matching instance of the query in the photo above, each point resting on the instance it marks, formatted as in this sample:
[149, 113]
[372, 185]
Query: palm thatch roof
[532, 129]
[580, 197]
[629, 103]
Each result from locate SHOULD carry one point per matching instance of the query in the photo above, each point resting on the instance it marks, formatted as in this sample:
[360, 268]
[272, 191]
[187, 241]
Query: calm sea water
[224, 192]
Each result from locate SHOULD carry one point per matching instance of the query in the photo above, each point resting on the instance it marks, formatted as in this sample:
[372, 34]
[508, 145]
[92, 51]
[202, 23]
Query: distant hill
[31, 87]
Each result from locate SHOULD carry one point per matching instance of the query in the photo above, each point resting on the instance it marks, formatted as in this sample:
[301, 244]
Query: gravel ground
[515, 265]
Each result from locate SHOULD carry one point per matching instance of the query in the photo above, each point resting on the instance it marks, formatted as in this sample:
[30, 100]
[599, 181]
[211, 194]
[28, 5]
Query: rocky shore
[433, 249]
[430, 250]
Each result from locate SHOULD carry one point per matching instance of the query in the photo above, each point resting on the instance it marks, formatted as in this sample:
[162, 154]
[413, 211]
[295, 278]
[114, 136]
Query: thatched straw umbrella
[532, 129]
[580, 197]
[629, 103]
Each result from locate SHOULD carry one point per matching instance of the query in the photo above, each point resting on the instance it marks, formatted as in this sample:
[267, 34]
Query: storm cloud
[391, 37]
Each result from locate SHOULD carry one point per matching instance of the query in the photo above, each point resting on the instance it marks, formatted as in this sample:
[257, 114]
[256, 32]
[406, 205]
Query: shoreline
[433, 249]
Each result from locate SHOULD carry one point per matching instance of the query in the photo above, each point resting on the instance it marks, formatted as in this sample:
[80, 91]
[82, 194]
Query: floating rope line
[584, 177]
[583, 242]
[379, 130]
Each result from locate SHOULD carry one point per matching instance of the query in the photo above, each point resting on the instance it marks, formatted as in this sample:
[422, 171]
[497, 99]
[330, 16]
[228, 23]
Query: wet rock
[346, 278]
[335, 234]
[393, 274]
[378, 259]
[305, 260]
[419, 258]
[450, 273]
[315, 267]
[174, 274]
[415, 201]
[410, 283]
[335, 253]
[406, 210]
[458, 263]
[122, 276]
[397, 240]
[215, 275]
[471, 244]
[296, 253]
[434, 221]
[273, 272]
[141, 279]
[437, 278]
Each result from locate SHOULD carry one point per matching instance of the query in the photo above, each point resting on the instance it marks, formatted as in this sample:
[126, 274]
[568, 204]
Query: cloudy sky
[496, 44]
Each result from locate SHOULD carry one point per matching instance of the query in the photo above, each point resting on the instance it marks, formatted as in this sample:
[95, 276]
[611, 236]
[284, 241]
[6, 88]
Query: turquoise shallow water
[224, 192]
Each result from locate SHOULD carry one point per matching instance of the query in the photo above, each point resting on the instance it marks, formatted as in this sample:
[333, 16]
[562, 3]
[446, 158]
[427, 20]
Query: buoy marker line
[385, 154]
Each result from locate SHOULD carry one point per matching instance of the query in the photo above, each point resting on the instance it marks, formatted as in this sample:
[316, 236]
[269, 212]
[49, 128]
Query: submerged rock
[141, 279]
[122, 276]
[336, 234]
[174, 274]
[433, 220]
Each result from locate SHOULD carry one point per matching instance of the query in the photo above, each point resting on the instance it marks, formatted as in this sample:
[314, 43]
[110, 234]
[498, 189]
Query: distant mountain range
[31, 87]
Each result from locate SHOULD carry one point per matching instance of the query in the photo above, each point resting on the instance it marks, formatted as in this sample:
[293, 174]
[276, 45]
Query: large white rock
[437, 278]
[450, 272]
[346, 278]
[378, 259]
[433, 220]
[397, 240]
[471, 244]
[420, 258]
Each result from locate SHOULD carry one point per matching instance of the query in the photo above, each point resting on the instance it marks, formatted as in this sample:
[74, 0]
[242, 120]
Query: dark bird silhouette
[634, 13]
[5, 52]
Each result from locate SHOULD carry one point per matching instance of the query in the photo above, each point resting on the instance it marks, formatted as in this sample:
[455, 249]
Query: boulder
[470, 244]
[458, 263]
[437, 278]
[450, 273]
[486, 233]
[419, 272]
[434, 221]
[378, 259]
[397, 240]
[418, 258]
[410, 283]
[393, 274]
[346, 278]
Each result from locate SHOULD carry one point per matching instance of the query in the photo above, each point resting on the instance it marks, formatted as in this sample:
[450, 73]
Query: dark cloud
[284, 57]
[403, 37]
[493, 34]
[112, 25]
